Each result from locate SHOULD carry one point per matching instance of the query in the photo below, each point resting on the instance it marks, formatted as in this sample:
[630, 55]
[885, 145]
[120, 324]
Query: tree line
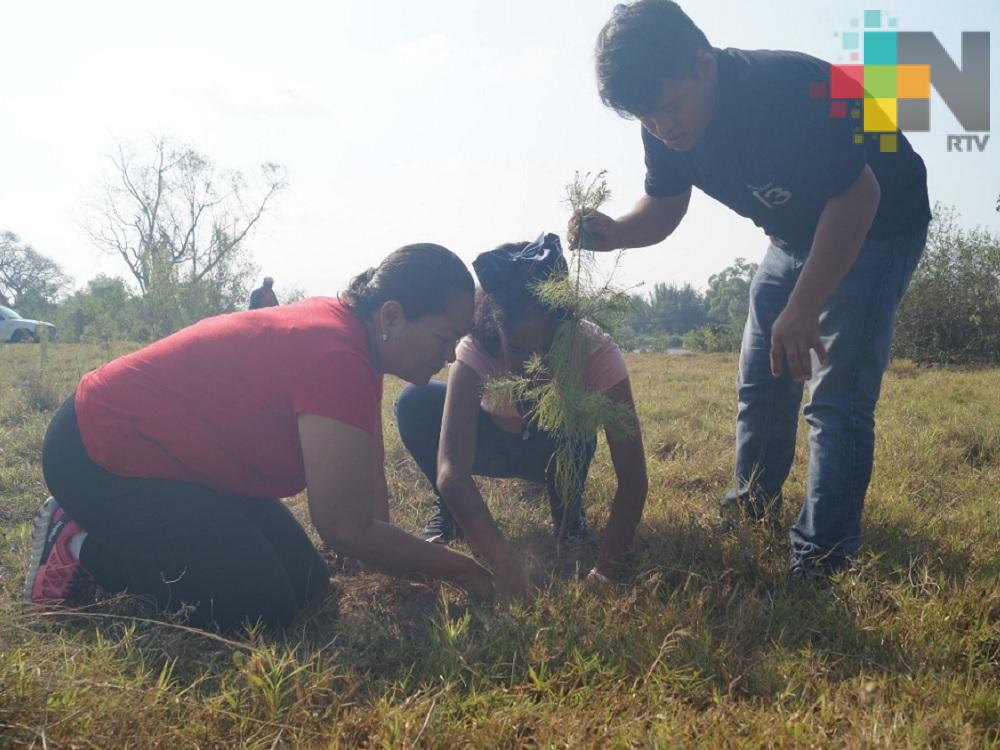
[673, 316]
[180, 226]
[951, 312]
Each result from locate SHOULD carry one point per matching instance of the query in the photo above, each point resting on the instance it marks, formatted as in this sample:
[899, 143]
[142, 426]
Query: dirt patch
[666, 448]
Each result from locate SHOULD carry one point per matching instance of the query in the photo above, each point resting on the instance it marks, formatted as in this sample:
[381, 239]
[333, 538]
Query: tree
[728, 294]
[728, 299]
[103, 312]
[675, 309]
[951, 312]
[28, 280]
[657, 320]
[180, 225]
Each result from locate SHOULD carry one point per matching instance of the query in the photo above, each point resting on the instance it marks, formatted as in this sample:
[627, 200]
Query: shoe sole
[39, 532]
[439, 538]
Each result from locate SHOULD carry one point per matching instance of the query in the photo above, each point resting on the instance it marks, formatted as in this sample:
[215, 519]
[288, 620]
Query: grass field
[703, 646]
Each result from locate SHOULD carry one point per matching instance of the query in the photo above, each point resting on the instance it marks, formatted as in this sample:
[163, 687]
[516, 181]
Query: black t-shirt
[774, 154]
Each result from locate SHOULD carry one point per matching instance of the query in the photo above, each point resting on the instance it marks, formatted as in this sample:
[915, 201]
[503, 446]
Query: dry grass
[704, 646]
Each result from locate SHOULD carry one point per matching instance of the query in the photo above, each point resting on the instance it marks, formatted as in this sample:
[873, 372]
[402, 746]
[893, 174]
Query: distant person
[847, 223]
[166, 465]
[455, 431]
[263, 296]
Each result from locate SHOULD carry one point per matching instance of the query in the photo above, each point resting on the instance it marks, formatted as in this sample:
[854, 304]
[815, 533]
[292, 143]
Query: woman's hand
[341, 500]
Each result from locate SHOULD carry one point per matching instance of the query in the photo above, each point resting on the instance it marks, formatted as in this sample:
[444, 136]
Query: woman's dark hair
[423, 278]
[505, 307]
[643, 44]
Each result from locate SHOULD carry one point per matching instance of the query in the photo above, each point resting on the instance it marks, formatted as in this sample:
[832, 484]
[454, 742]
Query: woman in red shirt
[166, 464]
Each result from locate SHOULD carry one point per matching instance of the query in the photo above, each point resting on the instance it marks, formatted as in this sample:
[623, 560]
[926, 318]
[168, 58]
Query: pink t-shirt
[605, 368]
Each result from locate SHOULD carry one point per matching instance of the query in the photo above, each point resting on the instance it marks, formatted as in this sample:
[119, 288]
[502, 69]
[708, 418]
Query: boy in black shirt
[847, 224]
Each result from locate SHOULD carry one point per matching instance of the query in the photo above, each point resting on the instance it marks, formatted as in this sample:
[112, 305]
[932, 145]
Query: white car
[14, 328]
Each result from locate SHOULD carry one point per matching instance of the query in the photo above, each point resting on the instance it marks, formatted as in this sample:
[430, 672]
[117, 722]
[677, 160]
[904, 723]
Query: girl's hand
[477, 580]
[510, 579]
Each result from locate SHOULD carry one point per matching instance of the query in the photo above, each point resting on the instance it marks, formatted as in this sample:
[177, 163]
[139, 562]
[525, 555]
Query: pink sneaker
[55, 577]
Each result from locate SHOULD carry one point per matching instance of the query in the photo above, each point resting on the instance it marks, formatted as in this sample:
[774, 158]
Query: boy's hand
[592, 231]
[793, 334]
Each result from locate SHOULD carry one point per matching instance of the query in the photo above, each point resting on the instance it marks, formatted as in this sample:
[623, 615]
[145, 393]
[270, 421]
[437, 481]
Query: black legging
[234, 559]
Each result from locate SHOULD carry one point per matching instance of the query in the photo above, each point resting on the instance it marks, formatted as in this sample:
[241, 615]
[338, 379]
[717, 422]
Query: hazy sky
[450, 121]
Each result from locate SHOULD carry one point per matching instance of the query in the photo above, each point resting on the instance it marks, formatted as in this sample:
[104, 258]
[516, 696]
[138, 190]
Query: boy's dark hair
[644, 43]
[504, 307]
[423, 278]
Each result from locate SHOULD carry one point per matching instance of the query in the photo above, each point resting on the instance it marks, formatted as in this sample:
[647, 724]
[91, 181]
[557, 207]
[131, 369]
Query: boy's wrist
[798, 304]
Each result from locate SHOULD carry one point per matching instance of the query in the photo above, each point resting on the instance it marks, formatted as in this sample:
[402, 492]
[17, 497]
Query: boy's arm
[651, 221]
[840, 232]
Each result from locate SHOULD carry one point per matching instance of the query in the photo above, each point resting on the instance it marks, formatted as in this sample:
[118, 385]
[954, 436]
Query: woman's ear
[391, 319]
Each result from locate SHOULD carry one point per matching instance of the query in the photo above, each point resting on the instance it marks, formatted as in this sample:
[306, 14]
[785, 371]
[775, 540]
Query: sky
[450, 121]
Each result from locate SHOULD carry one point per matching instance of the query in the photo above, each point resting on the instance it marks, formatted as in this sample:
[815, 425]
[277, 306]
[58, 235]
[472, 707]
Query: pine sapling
[552, 385]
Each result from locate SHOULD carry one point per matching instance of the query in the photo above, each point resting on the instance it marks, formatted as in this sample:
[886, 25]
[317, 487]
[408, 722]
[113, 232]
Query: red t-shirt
[217, 403]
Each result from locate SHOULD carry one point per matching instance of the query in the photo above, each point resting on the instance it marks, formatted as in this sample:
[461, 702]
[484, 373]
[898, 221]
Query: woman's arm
[342, 497]
[380, 508]
[629, 460]
[456, 454]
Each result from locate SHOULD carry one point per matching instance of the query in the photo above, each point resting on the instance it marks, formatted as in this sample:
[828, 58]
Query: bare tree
[26, 276]
[173, 217]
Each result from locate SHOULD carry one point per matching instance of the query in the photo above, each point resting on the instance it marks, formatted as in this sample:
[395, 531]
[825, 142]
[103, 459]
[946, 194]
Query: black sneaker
[815, 573]
[802, 576]
[816, 569]
[441, 528]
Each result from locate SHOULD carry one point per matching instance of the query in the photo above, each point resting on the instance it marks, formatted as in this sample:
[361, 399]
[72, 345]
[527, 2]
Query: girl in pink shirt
[455, 431]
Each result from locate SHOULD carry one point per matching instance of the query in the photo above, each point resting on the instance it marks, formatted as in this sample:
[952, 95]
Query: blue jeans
[499, 453]
[856, 327]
